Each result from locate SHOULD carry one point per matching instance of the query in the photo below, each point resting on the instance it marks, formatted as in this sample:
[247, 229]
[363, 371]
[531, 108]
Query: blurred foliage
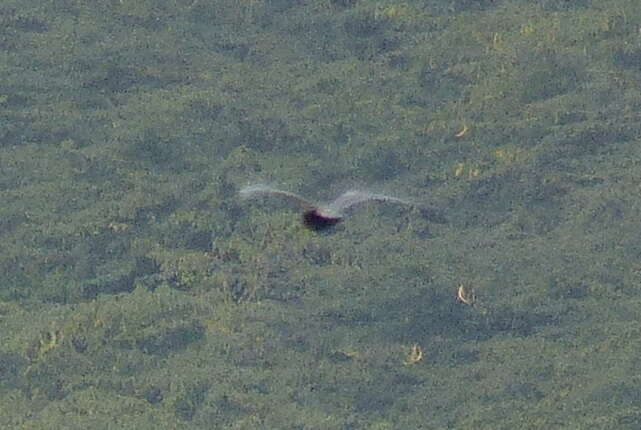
[139, 292]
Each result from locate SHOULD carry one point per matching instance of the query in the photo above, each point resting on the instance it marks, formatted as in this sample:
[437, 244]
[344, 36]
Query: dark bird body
[314, 220]
[320, 217]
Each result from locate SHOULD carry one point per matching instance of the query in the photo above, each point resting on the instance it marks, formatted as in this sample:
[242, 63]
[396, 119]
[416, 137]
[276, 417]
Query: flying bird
[320, 217]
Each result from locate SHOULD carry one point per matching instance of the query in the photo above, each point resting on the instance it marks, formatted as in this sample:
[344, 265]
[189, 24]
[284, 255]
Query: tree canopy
[138, 291]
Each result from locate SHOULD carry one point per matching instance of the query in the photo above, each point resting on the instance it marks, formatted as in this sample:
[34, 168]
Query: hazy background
[137, 291]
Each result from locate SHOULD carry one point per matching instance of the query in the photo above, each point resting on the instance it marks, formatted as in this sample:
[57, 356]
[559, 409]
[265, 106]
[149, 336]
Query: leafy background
[139, 292]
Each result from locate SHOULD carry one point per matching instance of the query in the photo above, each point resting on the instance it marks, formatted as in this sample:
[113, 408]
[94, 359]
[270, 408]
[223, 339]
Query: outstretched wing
[257, 190]
[353, 198]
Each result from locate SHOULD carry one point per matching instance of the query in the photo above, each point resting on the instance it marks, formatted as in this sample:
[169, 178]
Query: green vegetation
[139, 292]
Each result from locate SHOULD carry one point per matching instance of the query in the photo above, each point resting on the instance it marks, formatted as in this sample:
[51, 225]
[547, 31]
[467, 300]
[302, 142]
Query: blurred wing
[353, 198]
[257, 190]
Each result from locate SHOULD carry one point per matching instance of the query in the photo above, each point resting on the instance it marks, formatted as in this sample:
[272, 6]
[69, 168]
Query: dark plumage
[314, 220]
[319, 217]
